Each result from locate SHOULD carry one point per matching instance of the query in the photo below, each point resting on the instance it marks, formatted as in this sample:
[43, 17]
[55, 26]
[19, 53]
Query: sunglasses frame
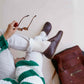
[25, 28]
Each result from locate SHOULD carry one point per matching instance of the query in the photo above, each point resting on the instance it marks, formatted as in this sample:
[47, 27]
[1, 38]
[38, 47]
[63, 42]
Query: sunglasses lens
[25, 28]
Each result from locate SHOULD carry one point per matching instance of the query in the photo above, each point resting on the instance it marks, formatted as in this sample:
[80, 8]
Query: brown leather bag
[70, 65]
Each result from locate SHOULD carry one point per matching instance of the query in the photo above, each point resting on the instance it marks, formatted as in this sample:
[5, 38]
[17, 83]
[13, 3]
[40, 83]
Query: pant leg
[35, 56]
[7, 67]
[18, 42]
[30, 69]
[23, 43]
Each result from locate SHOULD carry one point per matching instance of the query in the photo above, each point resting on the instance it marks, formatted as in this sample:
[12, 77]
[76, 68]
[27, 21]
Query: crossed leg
[7, 67]
[32, 64]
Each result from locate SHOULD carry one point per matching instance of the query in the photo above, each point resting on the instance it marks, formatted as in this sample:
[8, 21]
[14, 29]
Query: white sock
[38, 45]
[41, 37]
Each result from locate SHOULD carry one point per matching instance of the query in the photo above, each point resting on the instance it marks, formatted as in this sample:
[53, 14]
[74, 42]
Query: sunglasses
[24, 28]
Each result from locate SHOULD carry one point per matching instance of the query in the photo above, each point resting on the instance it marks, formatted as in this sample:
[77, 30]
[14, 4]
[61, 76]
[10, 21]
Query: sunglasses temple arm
[21, 29]
[22, 19]
[31, 22]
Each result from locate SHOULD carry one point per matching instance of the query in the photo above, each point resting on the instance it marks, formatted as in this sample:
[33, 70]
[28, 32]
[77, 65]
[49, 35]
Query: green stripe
[10, 80]
[26, 83]
[28, 74]
[25, 62]
[3, 43]
[42, 80]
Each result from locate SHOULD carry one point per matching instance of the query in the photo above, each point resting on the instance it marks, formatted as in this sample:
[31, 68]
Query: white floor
[59, 12]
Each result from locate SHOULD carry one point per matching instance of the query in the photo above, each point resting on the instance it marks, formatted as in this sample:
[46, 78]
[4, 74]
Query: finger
[12, 24]
[23, 57]
[16, 25]
[15, 28]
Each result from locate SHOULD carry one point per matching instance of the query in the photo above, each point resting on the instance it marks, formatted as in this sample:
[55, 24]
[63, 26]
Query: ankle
[41, 37]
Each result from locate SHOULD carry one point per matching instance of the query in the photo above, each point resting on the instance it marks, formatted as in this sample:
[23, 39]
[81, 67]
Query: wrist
[5, 36]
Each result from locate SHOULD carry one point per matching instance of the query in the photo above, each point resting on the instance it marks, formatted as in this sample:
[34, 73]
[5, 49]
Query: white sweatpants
[19, 42]
[7, 67]
[37, 58]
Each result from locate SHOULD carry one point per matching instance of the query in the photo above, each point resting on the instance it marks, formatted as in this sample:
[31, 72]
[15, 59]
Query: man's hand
[10, 30]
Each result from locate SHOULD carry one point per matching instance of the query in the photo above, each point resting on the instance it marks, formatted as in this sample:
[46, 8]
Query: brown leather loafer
[49, 52]
[47, 27]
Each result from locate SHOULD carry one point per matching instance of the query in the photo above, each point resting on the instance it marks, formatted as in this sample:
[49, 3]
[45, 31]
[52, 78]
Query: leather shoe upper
[47, 27]
[49, 52]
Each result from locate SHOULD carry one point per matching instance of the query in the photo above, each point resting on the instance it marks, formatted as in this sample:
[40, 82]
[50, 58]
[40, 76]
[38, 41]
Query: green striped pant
[28, 71]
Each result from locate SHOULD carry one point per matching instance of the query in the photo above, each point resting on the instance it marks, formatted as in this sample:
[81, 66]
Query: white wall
[79, 23]
[58, 12]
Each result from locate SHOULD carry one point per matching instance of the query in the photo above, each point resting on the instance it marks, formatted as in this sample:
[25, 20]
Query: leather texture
[49, 52]
[47, 28]
[70, 65]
